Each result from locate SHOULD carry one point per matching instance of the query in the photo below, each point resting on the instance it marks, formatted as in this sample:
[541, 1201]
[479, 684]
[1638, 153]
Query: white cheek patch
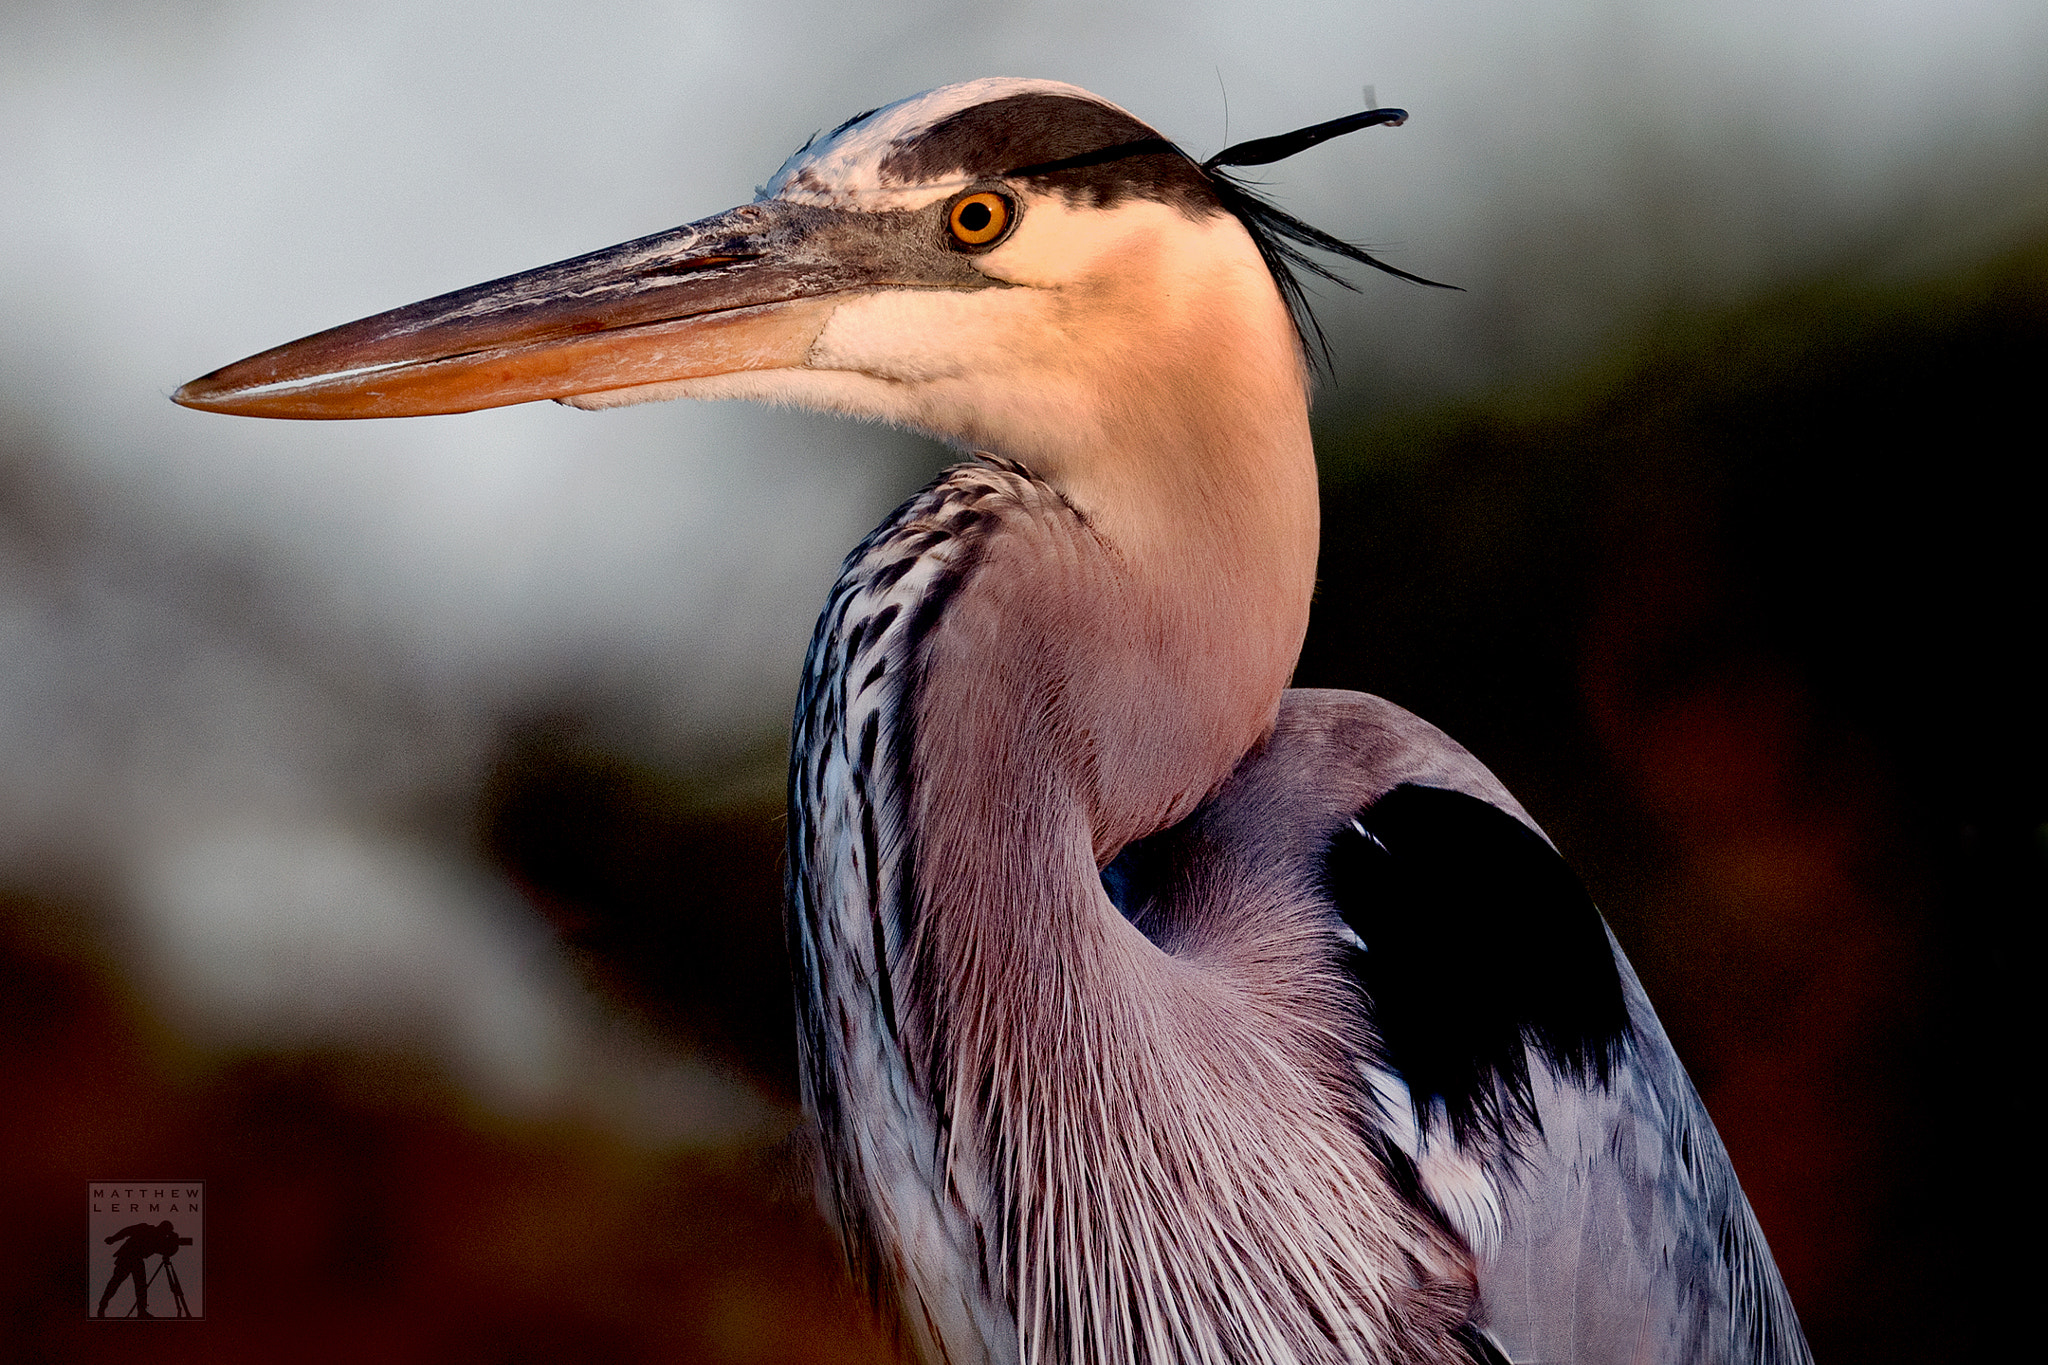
[838, 391]
[1142, 257]
[917, 335]
[1057, 243]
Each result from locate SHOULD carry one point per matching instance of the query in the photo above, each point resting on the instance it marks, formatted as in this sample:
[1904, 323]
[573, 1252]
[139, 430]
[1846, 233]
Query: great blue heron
[1150, 1011]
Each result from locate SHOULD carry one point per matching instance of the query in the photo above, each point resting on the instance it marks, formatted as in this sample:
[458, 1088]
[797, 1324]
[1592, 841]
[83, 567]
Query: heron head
[1006, 264]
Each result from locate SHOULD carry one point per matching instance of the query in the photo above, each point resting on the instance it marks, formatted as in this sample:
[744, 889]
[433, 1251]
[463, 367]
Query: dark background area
[1750, 622]
[1745, 613]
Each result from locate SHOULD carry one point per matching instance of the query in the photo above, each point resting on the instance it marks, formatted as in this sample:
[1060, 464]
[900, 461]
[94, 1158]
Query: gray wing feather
[1624, 1234]
[1618, 1233]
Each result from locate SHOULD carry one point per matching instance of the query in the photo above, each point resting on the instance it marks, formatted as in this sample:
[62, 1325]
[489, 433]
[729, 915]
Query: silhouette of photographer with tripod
[140, 1241]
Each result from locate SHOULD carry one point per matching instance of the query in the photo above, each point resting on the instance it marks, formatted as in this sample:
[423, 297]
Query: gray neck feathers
[1011, 1079]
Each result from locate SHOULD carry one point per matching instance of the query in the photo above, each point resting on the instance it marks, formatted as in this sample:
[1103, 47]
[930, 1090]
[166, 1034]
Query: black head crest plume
[1282, 237]
[1264, 151]
[1283, 240]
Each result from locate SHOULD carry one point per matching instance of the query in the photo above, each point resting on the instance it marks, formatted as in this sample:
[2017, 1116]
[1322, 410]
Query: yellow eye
[979, 219]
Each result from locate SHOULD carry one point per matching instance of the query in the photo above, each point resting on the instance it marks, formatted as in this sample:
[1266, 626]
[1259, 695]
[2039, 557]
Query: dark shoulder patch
[1479, 944]
[1035, 133]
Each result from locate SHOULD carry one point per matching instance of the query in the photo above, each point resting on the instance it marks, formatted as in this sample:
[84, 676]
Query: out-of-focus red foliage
[359, 1209]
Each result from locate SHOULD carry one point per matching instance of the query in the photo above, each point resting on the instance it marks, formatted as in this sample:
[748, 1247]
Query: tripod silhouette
[172, 1283]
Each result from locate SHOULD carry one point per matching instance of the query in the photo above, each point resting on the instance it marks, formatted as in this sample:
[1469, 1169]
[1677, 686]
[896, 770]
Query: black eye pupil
[975, 217]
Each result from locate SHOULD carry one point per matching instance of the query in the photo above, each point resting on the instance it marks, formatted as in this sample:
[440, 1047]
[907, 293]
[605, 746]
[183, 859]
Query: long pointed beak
[746, 289]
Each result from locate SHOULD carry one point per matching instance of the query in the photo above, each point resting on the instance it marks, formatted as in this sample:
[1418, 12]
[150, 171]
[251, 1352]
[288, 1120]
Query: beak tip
[204, 394]
[225, 392]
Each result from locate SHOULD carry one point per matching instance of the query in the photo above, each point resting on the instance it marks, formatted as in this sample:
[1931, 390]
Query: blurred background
[389, 813]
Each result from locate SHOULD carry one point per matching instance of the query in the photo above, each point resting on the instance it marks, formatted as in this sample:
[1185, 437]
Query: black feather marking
[923, 618]
[883, 781]
[870, 730]
[889, 575]
[1480, 945]
[1400, 1170]
[1479, 1347]
[861, 117]
[933, 605]
[1263, 151]
[1281, 237]
[1101, 156]
[812, 140]
[871, 849]
[877, 626]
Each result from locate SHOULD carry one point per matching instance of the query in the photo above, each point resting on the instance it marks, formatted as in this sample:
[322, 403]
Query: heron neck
[1092, 677]
[1196, 593]
[1121, 644]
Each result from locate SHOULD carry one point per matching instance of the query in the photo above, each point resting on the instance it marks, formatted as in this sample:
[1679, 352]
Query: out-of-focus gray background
[388, 826]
